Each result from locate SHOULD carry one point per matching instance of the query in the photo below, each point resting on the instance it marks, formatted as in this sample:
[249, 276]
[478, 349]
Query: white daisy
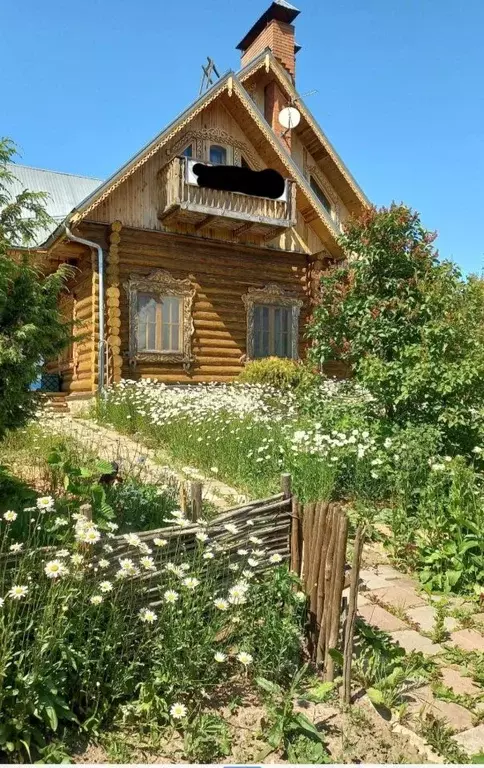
[105, 586]
[45, 503]
[275, 558]
[96, 599]
[220, 657]
[160, 542]
[230, 527]
[89, 535]
[103, 563]
[201, 536]
[208, 555]
[178, 711]
[147, 615]
[55, 569]
[132, 539]
[77, 558]
[17, 592]
[244, 658]
[190, 582]
[170, 596]
[16, 547]
[221, 604]
[148, 563]
[10, 516]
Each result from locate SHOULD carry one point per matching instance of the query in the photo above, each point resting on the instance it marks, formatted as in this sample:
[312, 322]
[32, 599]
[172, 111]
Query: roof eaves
[286, 157]
[259, 61]
[139, 158]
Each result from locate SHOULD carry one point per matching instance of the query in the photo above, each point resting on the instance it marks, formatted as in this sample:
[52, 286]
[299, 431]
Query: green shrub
[278, 372]
[32, 328]
[410, 326]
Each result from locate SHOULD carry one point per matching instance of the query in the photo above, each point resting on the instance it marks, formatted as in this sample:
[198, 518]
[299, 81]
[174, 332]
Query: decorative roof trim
[266, 59]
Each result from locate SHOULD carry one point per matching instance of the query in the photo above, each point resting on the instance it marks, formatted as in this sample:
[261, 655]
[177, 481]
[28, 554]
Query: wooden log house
[184, 284]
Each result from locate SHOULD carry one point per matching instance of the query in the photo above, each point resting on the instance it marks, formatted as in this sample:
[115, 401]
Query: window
[218, 154]
[188, 151]
[159, 323]
[272, 331]
[320, 194]
[272, 322]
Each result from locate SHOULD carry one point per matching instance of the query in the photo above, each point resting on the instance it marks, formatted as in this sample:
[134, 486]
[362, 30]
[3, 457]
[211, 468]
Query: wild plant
[287, 729]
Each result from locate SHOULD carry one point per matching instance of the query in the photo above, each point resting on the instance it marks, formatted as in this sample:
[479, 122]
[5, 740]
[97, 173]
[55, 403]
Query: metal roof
[64, 190]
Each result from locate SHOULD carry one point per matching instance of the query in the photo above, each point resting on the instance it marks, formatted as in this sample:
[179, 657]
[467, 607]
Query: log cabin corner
[183, 283]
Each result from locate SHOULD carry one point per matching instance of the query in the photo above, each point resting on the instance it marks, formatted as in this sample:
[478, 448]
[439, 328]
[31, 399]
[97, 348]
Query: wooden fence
[311, 538]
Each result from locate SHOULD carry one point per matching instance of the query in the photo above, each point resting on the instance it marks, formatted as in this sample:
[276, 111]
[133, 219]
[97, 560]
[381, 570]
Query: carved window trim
[313, 170]
[272, 295]
[160, 283]
[206, 136]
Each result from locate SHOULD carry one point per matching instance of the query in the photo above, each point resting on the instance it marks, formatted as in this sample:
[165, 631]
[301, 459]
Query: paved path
[136, 458]
[393, 602]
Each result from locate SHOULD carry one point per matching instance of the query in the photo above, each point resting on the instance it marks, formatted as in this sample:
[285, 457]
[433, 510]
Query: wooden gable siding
[136, 201]
[220, 275]
[302, 157]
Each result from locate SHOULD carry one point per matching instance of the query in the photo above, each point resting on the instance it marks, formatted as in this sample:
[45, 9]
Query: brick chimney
[273, 30]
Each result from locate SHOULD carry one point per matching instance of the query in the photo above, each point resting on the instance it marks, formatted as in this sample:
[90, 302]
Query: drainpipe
[100, 267]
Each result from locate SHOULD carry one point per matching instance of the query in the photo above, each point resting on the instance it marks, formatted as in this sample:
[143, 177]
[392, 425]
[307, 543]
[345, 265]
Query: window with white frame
[160, 321]
[272, 323]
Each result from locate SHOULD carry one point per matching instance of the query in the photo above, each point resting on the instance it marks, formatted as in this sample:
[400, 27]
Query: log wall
[221, 276]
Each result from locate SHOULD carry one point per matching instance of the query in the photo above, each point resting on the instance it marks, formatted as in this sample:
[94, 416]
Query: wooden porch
[182, 200]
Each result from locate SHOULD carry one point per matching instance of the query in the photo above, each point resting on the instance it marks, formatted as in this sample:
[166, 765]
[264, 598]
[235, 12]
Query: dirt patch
[357, 735]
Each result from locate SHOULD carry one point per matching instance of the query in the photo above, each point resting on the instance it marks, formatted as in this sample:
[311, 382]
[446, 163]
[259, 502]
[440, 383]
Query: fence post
[286, 485]
[351, 617]
[196, 500]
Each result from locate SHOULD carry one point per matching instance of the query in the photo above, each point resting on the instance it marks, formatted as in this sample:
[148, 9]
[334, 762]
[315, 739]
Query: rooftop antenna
[209, 69]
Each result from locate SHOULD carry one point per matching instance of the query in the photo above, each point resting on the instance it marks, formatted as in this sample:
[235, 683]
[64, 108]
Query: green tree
[31, 327]
[409, 326]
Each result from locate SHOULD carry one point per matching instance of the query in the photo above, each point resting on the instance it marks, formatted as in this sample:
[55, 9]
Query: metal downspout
[100, 267]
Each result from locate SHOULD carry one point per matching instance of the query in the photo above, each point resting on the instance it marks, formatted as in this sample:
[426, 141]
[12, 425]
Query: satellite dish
[289, 117]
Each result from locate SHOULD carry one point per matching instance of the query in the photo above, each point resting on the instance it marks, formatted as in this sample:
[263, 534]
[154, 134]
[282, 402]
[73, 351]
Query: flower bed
[81, 642]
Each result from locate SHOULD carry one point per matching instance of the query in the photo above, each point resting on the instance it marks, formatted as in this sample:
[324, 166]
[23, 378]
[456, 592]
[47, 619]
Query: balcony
[183, 201]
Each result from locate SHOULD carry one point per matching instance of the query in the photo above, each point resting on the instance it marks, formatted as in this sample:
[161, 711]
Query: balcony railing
[181, 199]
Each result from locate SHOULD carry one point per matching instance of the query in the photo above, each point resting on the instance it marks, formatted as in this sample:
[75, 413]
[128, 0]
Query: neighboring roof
[279, 10]
[64, 190]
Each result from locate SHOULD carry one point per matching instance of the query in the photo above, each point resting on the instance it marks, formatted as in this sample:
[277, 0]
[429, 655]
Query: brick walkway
[392, 602]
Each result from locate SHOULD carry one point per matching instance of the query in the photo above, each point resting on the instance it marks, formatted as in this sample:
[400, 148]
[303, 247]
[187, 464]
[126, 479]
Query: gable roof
[311, 133]
[233, 85]
[227, 83]
[64, 190]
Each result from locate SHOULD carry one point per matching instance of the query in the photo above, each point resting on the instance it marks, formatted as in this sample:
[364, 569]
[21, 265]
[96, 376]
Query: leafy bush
[410, 327]
[277, 372]
[31, 326]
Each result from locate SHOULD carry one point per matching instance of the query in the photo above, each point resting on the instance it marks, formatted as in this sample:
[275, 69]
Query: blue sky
[399, 82]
